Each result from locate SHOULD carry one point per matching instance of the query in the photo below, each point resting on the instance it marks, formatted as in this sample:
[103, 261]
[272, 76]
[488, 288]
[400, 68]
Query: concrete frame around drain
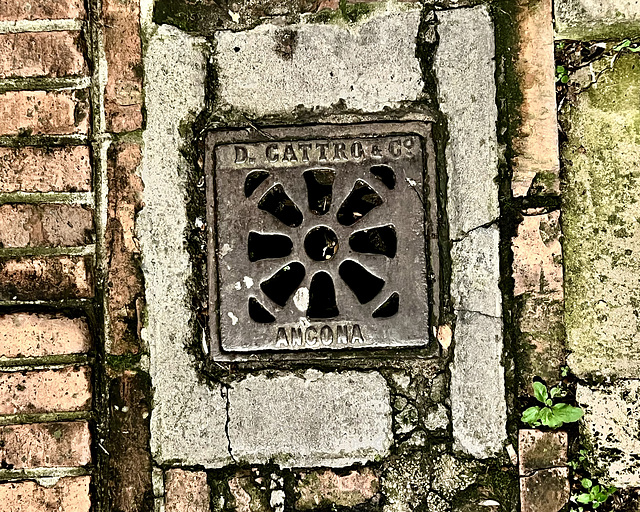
[190, 417]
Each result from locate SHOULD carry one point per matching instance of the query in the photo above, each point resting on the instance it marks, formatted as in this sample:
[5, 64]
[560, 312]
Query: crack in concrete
[224, 392]
[478, 313]
[481, 226]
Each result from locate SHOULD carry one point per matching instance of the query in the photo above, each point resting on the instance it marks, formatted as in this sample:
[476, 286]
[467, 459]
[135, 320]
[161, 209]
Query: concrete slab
[478, 404]
[318, 419]
[612, 429]
[475, 272]
[597, 19]
[188, 419]
[464, 67]
[601, 207]
[273, 70]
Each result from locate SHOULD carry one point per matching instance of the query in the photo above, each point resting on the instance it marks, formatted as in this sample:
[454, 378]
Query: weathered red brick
[186, 491]
[50, 54]
[68, 494]
[45, 445]
[125, 290]
[31, 169]
[13, 10]
[536, 164]
[53, 225]
[541, 450]
[123, 50]
[34, 335]
[130, 488]
[38, 391]
[326, 488]
[52, 278]
[537, 256]
[546, 490]
[540, 340]
[44, 112]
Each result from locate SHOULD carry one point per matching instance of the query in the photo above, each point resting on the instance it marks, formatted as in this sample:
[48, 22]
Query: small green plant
[627, 45]
[562, 75]
[582, 457]
[550, 414]
[593, 495]
[564, 371]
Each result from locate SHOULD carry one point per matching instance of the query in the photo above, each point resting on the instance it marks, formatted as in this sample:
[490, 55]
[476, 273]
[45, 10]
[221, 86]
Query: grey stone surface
[475, 272]
[188, 419]
[478, 404]
[318, 419]
[601, 208]
[612, 428]
[597, 19]
[271, 70]
[464, 67]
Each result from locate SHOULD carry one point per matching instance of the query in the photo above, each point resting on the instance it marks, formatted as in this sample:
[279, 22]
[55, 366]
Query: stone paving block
[47, 225]
[601, 207]
[44, 112]
[332, 419]
[123, 53]
[271, 69]
[541, 450]
[186, 491]
[51, 169]
[49, 54]
[536, 168]
[612, 428]
[54, 278]
[546, 490]
[537, 256]
[188, 418]
[325, 488]
[478, 405]
[39, 391]
[11, 10]
[589, 20]
[67, 495]
[464, 68]
[33, 335]
[475, 272]
[45, 445]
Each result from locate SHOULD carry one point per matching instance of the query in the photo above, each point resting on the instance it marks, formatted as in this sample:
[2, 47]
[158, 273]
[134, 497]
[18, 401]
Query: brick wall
[69, 92]
[47, 254]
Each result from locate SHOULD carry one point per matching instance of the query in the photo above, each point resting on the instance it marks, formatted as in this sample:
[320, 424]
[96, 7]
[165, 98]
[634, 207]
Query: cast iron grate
[323, 238]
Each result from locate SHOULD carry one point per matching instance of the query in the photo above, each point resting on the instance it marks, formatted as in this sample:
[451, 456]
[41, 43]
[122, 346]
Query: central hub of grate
[323, 238]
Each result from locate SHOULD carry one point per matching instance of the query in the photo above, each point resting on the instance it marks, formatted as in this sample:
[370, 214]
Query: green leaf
[545, 416]
[554, 421]
[595, 490]
[531, 415]
[624, 44]
[564, 79]
[560, 69]
[634, 50]
[555, 392]
[540, 391]
[586, 483]
[583, 498]
[567, 413]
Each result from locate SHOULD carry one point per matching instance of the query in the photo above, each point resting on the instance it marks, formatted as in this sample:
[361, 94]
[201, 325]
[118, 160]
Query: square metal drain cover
[321, 238]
